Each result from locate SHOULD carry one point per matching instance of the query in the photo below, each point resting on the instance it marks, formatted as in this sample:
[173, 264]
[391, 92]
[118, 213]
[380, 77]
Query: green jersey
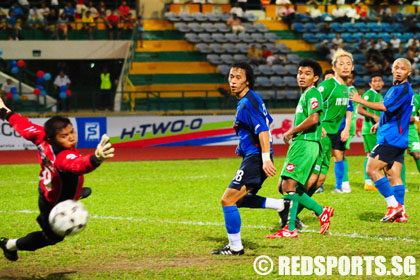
[371, 96]
[352, 132]
[309, 103]
[416, 108]
[335, 98]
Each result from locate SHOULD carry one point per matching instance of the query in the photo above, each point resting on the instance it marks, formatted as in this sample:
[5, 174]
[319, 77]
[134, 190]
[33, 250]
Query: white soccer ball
[68, 217]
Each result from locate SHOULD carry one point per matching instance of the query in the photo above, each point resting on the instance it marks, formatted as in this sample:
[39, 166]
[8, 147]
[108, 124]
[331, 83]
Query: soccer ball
[68, 217]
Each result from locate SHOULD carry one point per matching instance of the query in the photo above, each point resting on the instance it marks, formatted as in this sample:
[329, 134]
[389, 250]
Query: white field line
[354, 235]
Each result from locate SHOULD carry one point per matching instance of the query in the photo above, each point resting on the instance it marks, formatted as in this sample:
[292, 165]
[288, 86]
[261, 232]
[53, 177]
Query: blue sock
[339, 173]
[384, 187]
[399, 193]
[253, 201]
[232, 219]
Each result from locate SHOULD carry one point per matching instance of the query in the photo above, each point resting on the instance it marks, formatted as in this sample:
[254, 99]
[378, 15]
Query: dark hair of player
[248, 72]
[329, 71]
[53, 125]
[375, 74]
[314, 65]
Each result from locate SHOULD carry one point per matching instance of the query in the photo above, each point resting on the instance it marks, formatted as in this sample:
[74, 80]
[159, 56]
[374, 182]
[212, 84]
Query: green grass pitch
[162, 219]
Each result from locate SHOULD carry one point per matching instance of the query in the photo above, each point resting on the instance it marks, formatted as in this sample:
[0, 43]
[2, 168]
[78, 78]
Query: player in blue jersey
[252, 126]
[392, 140]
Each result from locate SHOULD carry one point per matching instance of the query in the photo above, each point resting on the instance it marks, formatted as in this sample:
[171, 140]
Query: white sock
[11, 245]
[235, 241]
[368, 182]
[346, 185]
[272, 203]
[403, 208]
[391, 201]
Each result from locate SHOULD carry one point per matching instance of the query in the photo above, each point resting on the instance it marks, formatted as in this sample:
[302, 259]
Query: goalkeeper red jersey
[61, 175]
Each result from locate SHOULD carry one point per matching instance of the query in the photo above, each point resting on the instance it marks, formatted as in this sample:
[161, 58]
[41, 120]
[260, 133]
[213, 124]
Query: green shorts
[413, 140]
[349, 141]
[300, 160]
[369, 141]
[323, 161]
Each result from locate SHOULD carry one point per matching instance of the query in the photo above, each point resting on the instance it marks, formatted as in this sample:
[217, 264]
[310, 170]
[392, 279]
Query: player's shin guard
[399, 193]
[301, 190]
[294, 198]
[339, 172]
[310, 204]
[403, 170]
[346, 170]
[233, 226]
[384, 188]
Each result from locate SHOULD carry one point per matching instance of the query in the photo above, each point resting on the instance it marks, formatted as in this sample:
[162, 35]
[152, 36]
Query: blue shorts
[388, 154]
[250, 174]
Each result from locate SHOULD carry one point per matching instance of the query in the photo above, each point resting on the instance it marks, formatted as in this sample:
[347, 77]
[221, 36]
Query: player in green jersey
[303, 153]
[371, 117]
[413, 134]
[334, 92]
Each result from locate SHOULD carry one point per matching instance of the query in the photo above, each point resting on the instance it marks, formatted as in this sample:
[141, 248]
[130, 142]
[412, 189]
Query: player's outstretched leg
[291, 203]
[339, 172]
[9, 248]
[233, 228]
[369, 186]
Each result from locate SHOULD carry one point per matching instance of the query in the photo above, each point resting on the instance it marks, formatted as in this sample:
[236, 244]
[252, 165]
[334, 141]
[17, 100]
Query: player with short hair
[303, 152]
[413, 134]
[339, 142]
[392, 140]
[335, 96]
[61, 176]
[252, 126]
[371, 117]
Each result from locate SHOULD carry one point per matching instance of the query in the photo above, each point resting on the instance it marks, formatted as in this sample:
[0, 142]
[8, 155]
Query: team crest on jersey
[321, 89]
[290, 167]
[314, 103]
[299, 109]
[366, 97]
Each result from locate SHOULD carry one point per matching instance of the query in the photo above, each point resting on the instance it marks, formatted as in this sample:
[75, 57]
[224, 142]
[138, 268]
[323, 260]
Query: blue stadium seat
[271, 37]
[246, 37]
[260, 27]
[262, 81]
[227, 59]
[358, 81]
[290, 81]
[216, 48]
[195, 27]
[321, 37]
[277, 81]
[348, 38]
[349, 27]
[266, 70]
[282, 48]
[310, 37]
[242, 47]
[386, 27]
[250, 17]
[255, 69]
[361, 26]
[291, 70]
[208, 27]
[337, 27]
[172, 17]
[301, 17]
[249, 27]
[182, 27]
[186, 17]
[214, 17]
[223, 69]
[311, 27]
[298, 27]
[215, 59]
[233, 38]
[219, 37]
[374, 27]
[203, 48]
[192, 38]
[359, 58]
[229, 48]
[258, 37]
[222, 27]
[205, 37]
[240, 58]
[199, 17]
[279, 70]
[292, 94]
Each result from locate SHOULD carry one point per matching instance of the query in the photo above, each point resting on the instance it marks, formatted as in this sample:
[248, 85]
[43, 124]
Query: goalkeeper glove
[104, 149]
[4, 111]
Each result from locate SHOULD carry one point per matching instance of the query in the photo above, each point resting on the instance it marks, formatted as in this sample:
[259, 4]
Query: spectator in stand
[93, 11]
[389, 56]
[351, 13]
[17, 11]
[411, 22]
[25, 8]
[362, 10]
[396, 44]
[63, 25]
[113, 24]
[371, 44]
[324, 49]
[287, 14]
[315, 13]
[12, 26]
[268, 55]
[412, 52]
[380, 45]
[70, 11]
[3, 17]
[101, 10]
[80, 7]
[237, 10]
[236, 24]
[254, 55]
[5, 89]
[412, 41]
[385, 14]
[337, 40]
[52, 19]
[35, 17]
[55, 5]
[340, 13]
[88, 23]
[125, 15]
[62, 80]
[105, 97]
[373, 66]
[140, 30]
[44, 11]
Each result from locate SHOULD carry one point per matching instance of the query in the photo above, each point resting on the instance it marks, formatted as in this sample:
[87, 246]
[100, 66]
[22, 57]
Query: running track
[159, 153]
